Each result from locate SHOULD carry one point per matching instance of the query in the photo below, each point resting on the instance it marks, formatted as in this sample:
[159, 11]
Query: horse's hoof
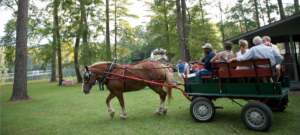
[157, 113]
[112, 114]
[121, 118]
[165, 111]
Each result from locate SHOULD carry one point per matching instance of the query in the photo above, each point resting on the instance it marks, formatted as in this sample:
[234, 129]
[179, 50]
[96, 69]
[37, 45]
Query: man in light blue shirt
[180, 68]
[260, 51]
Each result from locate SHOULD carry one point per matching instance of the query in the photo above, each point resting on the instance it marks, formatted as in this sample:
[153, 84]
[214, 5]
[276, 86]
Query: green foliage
[270, 8]
[161, 23]
[200, 30]
[289, 10]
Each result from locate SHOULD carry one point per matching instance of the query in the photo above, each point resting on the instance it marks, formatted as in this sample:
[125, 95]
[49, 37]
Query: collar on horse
[109, 69]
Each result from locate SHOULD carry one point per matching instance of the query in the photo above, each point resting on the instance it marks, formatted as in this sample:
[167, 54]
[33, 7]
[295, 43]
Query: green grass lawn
[66, 110]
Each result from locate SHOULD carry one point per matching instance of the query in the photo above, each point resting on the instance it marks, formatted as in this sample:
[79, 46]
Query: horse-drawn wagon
[256, 115]
[263, 98]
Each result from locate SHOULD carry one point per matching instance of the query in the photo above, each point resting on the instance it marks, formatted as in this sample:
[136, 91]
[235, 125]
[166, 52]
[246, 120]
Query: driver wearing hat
[209, 54]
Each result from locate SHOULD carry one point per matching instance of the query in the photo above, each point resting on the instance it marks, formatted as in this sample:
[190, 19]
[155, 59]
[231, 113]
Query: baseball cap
[207, 45]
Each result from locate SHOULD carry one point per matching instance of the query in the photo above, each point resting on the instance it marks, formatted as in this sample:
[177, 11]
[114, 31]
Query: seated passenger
[209, 54]
[195, 66]
[266, 40]
[243, 44]
[225, 55]
[260, 51]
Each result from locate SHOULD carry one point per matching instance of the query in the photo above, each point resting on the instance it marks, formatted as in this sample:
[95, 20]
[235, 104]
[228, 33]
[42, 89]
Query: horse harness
[104, 76]
[125, 68]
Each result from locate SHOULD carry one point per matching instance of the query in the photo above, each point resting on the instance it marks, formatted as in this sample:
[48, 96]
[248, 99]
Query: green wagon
[263, 97]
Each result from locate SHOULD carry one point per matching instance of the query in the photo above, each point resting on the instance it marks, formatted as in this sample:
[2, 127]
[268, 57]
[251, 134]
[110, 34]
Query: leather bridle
[90, 75]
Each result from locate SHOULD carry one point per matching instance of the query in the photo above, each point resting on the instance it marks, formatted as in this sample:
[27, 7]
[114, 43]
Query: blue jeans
[101, 86]
[202, 72]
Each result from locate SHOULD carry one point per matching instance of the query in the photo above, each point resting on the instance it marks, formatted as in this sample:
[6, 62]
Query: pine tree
[281, 10]
[179, 27]
[20, 76]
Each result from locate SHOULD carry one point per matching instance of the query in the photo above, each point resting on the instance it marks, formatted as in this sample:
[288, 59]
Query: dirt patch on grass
[294, 92]
[7, 85]
[22, 100]
[3, 92]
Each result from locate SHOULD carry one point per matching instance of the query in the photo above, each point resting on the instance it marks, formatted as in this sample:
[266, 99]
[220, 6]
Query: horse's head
[89, 79]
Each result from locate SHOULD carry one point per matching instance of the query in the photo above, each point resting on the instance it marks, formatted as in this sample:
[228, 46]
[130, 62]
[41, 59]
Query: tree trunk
[167, 29]
[20, 77]
[90, 58]
[84, 33]
[244, 17]
[77, 70]
[53, 69]
[262, 12]
[241, 27]
[185, 33]
[298, 55]
[268, 11]
[222, 30]
[202, 14]
[179, 26]
[281, 11]
[256, 13]
[60, 74]
[296, 4]
[107, 32]
[168, 41]
[58, 44]
[54, 47]
[116, 29]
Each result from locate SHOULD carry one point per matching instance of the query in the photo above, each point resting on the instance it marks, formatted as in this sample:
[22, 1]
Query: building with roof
[159, 55]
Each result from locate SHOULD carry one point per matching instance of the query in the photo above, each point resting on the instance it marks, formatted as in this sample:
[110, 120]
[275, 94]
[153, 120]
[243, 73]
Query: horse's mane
[108, 62]
[100, 63]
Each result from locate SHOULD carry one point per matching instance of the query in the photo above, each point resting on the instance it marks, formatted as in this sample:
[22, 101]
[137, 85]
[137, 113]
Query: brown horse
[117, 86]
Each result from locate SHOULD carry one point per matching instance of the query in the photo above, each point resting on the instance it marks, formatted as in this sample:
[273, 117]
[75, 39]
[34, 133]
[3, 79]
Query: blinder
[90, 75]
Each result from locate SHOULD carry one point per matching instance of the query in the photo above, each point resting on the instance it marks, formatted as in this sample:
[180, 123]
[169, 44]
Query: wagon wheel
[257, 116]
[278, 105]
[202, 109]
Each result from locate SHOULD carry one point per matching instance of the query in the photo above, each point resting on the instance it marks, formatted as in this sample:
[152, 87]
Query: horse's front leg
[121, 101]
[110, 109]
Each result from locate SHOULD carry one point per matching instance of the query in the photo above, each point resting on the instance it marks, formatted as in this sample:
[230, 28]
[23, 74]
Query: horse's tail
[169, 80]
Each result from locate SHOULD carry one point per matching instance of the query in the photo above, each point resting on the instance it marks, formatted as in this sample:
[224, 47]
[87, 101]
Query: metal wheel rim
[202, 110]
[256, 117]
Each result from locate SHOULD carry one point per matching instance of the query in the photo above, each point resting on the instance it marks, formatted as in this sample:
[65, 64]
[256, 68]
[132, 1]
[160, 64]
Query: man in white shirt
[267, 41]
[260, 51]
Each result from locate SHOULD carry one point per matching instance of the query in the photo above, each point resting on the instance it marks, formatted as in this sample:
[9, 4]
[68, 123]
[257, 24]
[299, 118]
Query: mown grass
[66, 110]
